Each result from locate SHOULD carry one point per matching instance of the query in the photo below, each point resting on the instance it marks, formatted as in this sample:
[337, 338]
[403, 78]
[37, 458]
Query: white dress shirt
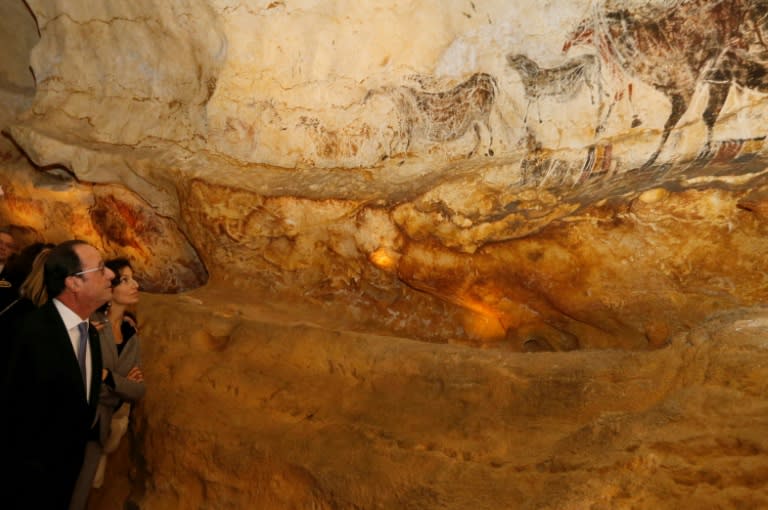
[71, 322]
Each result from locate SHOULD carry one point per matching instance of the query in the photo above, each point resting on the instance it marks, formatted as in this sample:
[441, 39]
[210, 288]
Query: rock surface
[251, 408]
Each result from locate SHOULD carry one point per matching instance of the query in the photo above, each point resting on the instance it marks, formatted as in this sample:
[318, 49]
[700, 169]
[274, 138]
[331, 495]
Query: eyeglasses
[100, 267]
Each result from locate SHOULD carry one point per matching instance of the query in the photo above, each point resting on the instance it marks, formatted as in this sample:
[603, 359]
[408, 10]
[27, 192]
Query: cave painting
[719, 43]
[678, 48]
[562, 82]
[444, 116]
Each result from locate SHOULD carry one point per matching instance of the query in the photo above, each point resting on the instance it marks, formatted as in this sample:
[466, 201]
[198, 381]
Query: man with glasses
[53, 382]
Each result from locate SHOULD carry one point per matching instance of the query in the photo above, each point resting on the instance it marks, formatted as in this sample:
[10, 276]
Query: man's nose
[109, 274]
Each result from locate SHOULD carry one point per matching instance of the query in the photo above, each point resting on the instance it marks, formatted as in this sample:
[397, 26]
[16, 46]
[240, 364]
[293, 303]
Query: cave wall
[403, 158]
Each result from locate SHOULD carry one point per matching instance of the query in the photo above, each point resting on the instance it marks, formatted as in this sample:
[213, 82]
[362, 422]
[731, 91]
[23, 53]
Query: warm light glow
[481, 321]
[484, 326]
[383, 258]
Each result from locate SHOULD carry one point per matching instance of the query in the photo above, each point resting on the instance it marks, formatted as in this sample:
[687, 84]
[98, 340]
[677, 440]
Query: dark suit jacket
[49, 417]
[11, 318]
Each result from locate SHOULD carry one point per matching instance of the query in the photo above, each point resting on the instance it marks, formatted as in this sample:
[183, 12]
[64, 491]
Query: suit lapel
[64, 344]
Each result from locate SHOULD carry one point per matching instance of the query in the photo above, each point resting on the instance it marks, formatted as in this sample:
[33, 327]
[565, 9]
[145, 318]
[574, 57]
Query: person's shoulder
[34, 330]
[37, 319]
[8, 293]
[25, 305]
[48, 309]
[18, 309]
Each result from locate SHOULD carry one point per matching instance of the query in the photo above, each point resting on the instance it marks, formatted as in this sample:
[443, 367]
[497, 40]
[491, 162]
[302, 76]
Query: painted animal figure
[561, 82]
[448, 115]
[673, 48]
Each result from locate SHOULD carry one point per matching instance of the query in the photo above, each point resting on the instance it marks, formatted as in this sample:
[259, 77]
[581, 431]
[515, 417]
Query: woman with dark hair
[122, 379]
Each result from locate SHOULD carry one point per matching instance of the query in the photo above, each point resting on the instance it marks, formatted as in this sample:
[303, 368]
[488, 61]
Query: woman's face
[126, 292]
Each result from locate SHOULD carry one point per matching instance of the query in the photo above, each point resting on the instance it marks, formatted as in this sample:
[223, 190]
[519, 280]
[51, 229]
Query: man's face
[95, 286]
[7, 246]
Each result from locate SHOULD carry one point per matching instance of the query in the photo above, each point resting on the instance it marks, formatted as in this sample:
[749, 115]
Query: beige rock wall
[246, 411]
[17, 85]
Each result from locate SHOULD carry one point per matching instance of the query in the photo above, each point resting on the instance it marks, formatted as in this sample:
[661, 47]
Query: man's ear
[72, 283]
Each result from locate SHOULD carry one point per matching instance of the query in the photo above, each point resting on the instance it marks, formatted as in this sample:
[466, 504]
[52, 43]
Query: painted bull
[673, 48]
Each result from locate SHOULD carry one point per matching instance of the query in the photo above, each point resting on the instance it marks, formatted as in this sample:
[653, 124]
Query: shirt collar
[70, 318]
